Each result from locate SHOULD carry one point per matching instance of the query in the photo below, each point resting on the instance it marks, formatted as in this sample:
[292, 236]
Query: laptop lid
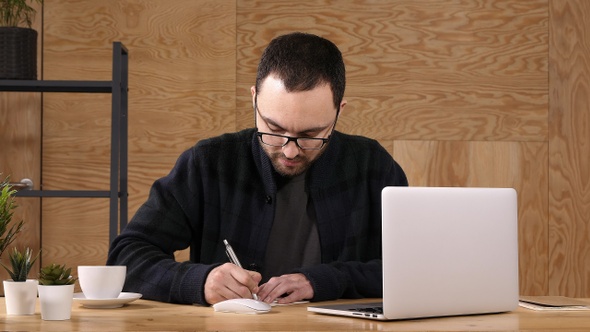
[446, 251]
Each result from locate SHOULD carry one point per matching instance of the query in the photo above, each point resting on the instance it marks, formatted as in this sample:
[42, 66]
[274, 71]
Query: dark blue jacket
[224, 188]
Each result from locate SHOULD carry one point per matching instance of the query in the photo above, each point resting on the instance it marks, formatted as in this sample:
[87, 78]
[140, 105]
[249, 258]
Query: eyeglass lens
[302, 142]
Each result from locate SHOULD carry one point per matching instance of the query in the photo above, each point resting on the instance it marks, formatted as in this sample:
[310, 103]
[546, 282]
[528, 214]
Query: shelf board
[56, 86]
[64, 193]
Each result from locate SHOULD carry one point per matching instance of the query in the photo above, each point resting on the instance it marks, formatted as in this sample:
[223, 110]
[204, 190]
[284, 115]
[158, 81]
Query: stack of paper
[554, 303]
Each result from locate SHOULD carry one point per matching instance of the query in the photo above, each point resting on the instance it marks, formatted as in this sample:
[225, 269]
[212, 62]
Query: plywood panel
[181, 89]
[75, 231]
[88, 245]
[492, 164]
[76, 144]
[456, 90]
[20, 153]
[569, 153]
[20, 157]
[453, 70]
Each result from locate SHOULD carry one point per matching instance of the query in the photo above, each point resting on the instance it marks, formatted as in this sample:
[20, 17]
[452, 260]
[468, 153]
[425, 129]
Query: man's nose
[291, 150]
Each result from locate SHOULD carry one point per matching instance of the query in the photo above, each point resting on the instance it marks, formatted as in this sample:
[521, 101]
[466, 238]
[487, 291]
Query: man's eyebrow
[270, 121]
[307, 131]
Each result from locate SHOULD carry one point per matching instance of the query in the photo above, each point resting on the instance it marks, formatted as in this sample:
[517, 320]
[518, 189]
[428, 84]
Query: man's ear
[253, 92]
[342, 104]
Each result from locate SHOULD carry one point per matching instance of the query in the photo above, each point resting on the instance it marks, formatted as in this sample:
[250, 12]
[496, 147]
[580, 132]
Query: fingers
[255, 276]
[228, 281]
[286, 289]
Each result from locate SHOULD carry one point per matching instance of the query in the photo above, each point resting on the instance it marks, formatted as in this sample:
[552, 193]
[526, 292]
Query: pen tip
[225, 242]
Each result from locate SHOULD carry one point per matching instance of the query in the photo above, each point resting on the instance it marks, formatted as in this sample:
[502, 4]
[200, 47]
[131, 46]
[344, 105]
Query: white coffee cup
[101, 281]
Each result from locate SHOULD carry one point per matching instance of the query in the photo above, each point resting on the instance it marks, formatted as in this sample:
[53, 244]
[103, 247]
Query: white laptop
[446, 251]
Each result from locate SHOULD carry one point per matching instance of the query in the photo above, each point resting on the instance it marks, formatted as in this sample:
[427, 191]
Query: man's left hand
[285, 289]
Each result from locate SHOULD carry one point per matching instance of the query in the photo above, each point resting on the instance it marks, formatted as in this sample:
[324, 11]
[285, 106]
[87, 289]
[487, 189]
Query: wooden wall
[569, 151]
[20, 156]
[461, 92]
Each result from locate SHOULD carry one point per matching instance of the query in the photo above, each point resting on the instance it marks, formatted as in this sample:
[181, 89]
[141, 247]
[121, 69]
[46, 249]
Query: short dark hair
[304, 61]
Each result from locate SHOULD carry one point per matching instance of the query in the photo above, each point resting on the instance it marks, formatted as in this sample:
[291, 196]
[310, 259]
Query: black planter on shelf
[18, 53]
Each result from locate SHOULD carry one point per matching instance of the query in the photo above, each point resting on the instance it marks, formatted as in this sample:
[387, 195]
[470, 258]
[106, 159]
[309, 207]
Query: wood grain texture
[20, 157]
[453, 70]
[459, 91]
[182, 89]
[20, 154]
[569, 162]
[75, 231]
[424, 74]
[145, 315]
[519, 165]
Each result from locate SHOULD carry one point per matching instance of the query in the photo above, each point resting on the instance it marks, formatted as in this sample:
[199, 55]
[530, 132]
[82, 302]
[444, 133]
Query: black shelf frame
[118, 88]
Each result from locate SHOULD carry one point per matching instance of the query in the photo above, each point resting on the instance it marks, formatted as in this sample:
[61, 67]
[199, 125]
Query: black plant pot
[18, 53]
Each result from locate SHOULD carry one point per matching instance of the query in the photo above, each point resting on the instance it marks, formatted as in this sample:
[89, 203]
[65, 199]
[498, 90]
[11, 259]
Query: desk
[143, 315]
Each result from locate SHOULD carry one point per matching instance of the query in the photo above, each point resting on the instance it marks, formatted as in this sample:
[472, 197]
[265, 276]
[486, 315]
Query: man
[299, 202]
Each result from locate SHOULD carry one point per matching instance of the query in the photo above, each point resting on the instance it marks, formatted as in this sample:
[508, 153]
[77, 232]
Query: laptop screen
[446, 251]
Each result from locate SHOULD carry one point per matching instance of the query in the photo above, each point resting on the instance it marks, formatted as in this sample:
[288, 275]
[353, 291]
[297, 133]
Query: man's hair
[304, 61]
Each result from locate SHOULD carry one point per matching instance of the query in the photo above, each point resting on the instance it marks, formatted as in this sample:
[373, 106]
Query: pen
[229, 251]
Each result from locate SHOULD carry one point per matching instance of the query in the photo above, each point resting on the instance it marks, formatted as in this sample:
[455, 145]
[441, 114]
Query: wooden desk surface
[143, 315]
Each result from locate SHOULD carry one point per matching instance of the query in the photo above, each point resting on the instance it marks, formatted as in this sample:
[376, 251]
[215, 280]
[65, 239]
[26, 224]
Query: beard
[301, 163]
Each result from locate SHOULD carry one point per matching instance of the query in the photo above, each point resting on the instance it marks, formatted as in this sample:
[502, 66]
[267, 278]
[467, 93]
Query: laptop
[447, 251]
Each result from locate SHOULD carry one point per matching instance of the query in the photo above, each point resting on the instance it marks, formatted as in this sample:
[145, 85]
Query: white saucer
[123, 298]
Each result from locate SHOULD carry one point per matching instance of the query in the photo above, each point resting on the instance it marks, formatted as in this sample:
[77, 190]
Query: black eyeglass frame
[294, 139]
[324, 141]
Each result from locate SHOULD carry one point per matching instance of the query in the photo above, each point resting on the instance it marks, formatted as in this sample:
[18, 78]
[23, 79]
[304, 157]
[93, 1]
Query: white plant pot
[56, 301]
[21, 296]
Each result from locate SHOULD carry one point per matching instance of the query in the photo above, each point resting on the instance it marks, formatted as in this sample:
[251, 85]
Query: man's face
[309, 114]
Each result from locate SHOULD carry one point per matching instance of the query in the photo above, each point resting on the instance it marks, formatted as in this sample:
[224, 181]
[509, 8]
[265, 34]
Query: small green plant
[15, 13]
[55, 275]
[21, 263]
[7, 205]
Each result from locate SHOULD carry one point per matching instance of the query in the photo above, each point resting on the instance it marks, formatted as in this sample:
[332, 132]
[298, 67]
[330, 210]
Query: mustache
[280, 155]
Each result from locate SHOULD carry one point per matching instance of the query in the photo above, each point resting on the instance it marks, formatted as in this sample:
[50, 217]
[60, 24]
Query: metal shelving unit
[118, 88]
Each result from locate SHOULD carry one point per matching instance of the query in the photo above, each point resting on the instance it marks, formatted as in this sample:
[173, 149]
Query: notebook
[446, 251]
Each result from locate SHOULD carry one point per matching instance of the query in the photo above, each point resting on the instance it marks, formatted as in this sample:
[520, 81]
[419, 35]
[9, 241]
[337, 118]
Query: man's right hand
[229, 281]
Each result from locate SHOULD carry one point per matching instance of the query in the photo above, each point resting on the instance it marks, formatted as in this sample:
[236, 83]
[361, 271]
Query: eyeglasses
[304, 143]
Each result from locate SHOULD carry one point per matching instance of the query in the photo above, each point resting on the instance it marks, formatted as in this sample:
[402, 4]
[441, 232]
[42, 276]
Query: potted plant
[8, 232]
[20, 292]
[18, 54]
[56, 292]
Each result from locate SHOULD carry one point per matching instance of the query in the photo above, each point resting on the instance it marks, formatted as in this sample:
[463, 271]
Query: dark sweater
[224, 188]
